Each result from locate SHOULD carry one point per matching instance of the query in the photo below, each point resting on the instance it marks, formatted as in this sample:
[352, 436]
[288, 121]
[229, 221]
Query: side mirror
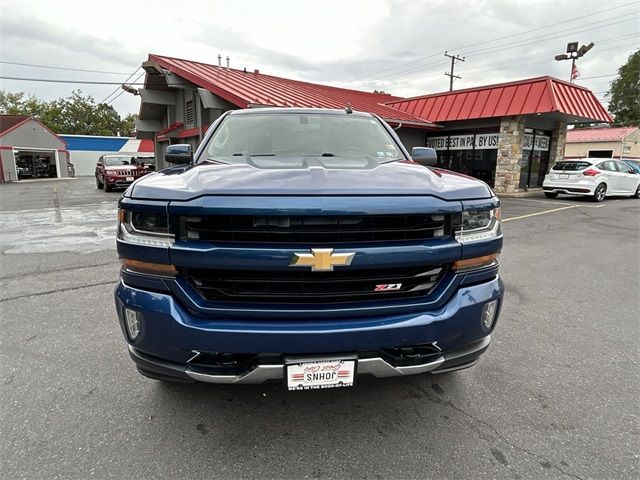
[179, 153]
[99, 164]
[425, 156]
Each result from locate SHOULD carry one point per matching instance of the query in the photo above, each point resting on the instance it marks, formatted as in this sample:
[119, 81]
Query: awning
[525, 97]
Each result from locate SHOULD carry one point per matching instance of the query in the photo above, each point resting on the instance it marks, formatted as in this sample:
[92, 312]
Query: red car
[119, 171]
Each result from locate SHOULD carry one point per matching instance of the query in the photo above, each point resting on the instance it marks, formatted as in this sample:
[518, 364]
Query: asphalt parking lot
[556, 396]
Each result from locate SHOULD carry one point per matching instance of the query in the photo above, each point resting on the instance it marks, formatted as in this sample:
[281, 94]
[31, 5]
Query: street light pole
[573, 53]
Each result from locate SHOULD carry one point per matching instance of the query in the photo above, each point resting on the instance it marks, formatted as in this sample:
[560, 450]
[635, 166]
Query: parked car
[119, 171]
[306, 245]
[594, 177]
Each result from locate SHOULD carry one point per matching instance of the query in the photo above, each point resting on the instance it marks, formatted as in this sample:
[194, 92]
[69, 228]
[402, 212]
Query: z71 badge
[387, 287]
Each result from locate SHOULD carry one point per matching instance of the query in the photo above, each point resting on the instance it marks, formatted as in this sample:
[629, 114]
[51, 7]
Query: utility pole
[574, 53]
[454, 59]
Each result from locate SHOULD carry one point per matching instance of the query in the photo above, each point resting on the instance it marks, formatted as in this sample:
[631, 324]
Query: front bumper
[261, 373]
[172, 336]
[118, 183]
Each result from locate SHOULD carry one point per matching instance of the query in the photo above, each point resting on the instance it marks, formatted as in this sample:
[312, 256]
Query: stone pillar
[558, 140]
[509, 154]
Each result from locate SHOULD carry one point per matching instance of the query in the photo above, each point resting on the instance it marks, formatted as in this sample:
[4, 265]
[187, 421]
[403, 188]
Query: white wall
[85, 161]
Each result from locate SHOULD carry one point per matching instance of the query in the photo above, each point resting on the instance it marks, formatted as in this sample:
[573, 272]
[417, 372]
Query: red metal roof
[245, 89]
[9, 122]
[580, 135]
[531, 96]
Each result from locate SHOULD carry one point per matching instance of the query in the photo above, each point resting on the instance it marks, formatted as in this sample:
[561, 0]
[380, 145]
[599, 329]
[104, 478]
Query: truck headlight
[476, 225]
[146, 228]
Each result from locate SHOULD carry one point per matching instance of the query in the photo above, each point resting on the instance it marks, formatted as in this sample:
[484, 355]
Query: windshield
[117, 161]
[304, 139]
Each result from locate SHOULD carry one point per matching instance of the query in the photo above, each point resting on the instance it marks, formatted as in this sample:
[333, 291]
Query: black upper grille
[316, 230]
[295, 286]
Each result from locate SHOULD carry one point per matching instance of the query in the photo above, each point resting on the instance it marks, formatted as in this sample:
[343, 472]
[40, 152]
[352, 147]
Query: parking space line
[568, 207]
[543, 201]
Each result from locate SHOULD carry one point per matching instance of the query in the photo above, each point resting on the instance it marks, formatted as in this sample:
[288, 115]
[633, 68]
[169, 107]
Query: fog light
[489, 313]
[133, 322]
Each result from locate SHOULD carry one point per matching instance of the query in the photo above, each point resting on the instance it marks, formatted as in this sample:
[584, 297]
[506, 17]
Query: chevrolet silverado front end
[306, 246]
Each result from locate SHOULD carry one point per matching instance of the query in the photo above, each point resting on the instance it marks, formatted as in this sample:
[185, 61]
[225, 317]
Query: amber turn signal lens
[149, 268]
[121, 215]
[475, 262]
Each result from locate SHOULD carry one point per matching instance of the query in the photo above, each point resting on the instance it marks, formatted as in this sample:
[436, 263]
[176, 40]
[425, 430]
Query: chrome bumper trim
[372, 366]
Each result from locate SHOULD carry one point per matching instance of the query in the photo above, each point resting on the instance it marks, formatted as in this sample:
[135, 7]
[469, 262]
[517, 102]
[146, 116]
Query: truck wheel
[550, 194]
[599, 193]
[98, 184]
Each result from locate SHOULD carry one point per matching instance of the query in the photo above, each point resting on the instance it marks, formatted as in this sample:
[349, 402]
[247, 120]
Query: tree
[624, 93]
[129, 124]
[77, 114]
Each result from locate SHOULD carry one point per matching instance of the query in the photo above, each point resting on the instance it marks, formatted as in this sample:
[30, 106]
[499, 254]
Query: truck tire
[98, 184]
[550, 194]
[107, 187]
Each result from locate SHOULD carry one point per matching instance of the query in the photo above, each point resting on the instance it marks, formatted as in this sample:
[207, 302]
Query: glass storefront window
[473, 153]
[535, 158]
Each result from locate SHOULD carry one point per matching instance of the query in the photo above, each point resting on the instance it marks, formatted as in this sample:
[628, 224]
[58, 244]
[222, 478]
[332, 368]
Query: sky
[395, 46]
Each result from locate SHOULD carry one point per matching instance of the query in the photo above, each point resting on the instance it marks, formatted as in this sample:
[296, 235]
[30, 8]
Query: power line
[53, 80]
[564, 33]
[413, 62]
[551, 52]
[410, 71]
[132, 83]
[568, 20]
[62, 68]
[599, 76]
[116, 89]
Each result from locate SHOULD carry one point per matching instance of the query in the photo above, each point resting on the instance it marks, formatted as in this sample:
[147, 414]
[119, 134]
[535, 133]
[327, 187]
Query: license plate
[129, 179]
[307, 375]
[563, 175]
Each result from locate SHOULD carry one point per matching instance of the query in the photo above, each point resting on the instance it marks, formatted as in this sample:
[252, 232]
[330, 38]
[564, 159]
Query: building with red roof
[617, 142]
[29, 149]
[507, 134]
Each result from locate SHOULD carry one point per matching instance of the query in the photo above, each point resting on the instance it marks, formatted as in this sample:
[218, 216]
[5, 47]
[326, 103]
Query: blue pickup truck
[305, 246]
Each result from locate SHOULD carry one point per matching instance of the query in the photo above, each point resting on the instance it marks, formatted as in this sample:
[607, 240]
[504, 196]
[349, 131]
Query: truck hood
[394, 178]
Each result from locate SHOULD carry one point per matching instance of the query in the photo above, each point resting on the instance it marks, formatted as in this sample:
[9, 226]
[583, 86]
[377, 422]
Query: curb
[41, 180]
[530, 193]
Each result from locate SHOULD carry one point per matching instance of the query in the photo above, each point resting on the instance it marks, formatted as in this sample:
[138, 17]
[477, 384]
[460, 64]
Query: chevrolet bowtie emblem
[321, 259]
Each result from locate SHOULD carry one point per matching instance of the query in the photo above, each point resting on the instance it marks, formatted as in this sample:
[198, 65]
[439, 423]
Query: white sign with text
[485, 141]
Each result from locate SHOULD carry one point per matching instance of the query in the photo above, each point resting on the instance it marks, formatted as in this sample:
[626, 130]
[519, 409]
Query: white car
[595, 177]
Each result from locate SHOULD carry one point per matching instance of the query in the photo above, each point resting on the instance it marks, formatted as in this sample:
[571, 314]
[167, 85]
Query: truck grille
[314, 287]
[315, 229]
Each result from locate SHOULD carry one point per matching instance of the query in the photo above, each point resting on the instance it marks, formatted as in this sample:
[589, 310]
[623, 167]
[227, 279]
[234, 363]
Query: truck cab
[305, 246]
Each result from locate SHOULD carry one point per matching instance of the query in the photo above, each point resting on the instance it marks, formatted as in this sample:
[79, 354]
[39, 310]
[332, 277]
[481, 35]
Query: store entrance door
[535, 158]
